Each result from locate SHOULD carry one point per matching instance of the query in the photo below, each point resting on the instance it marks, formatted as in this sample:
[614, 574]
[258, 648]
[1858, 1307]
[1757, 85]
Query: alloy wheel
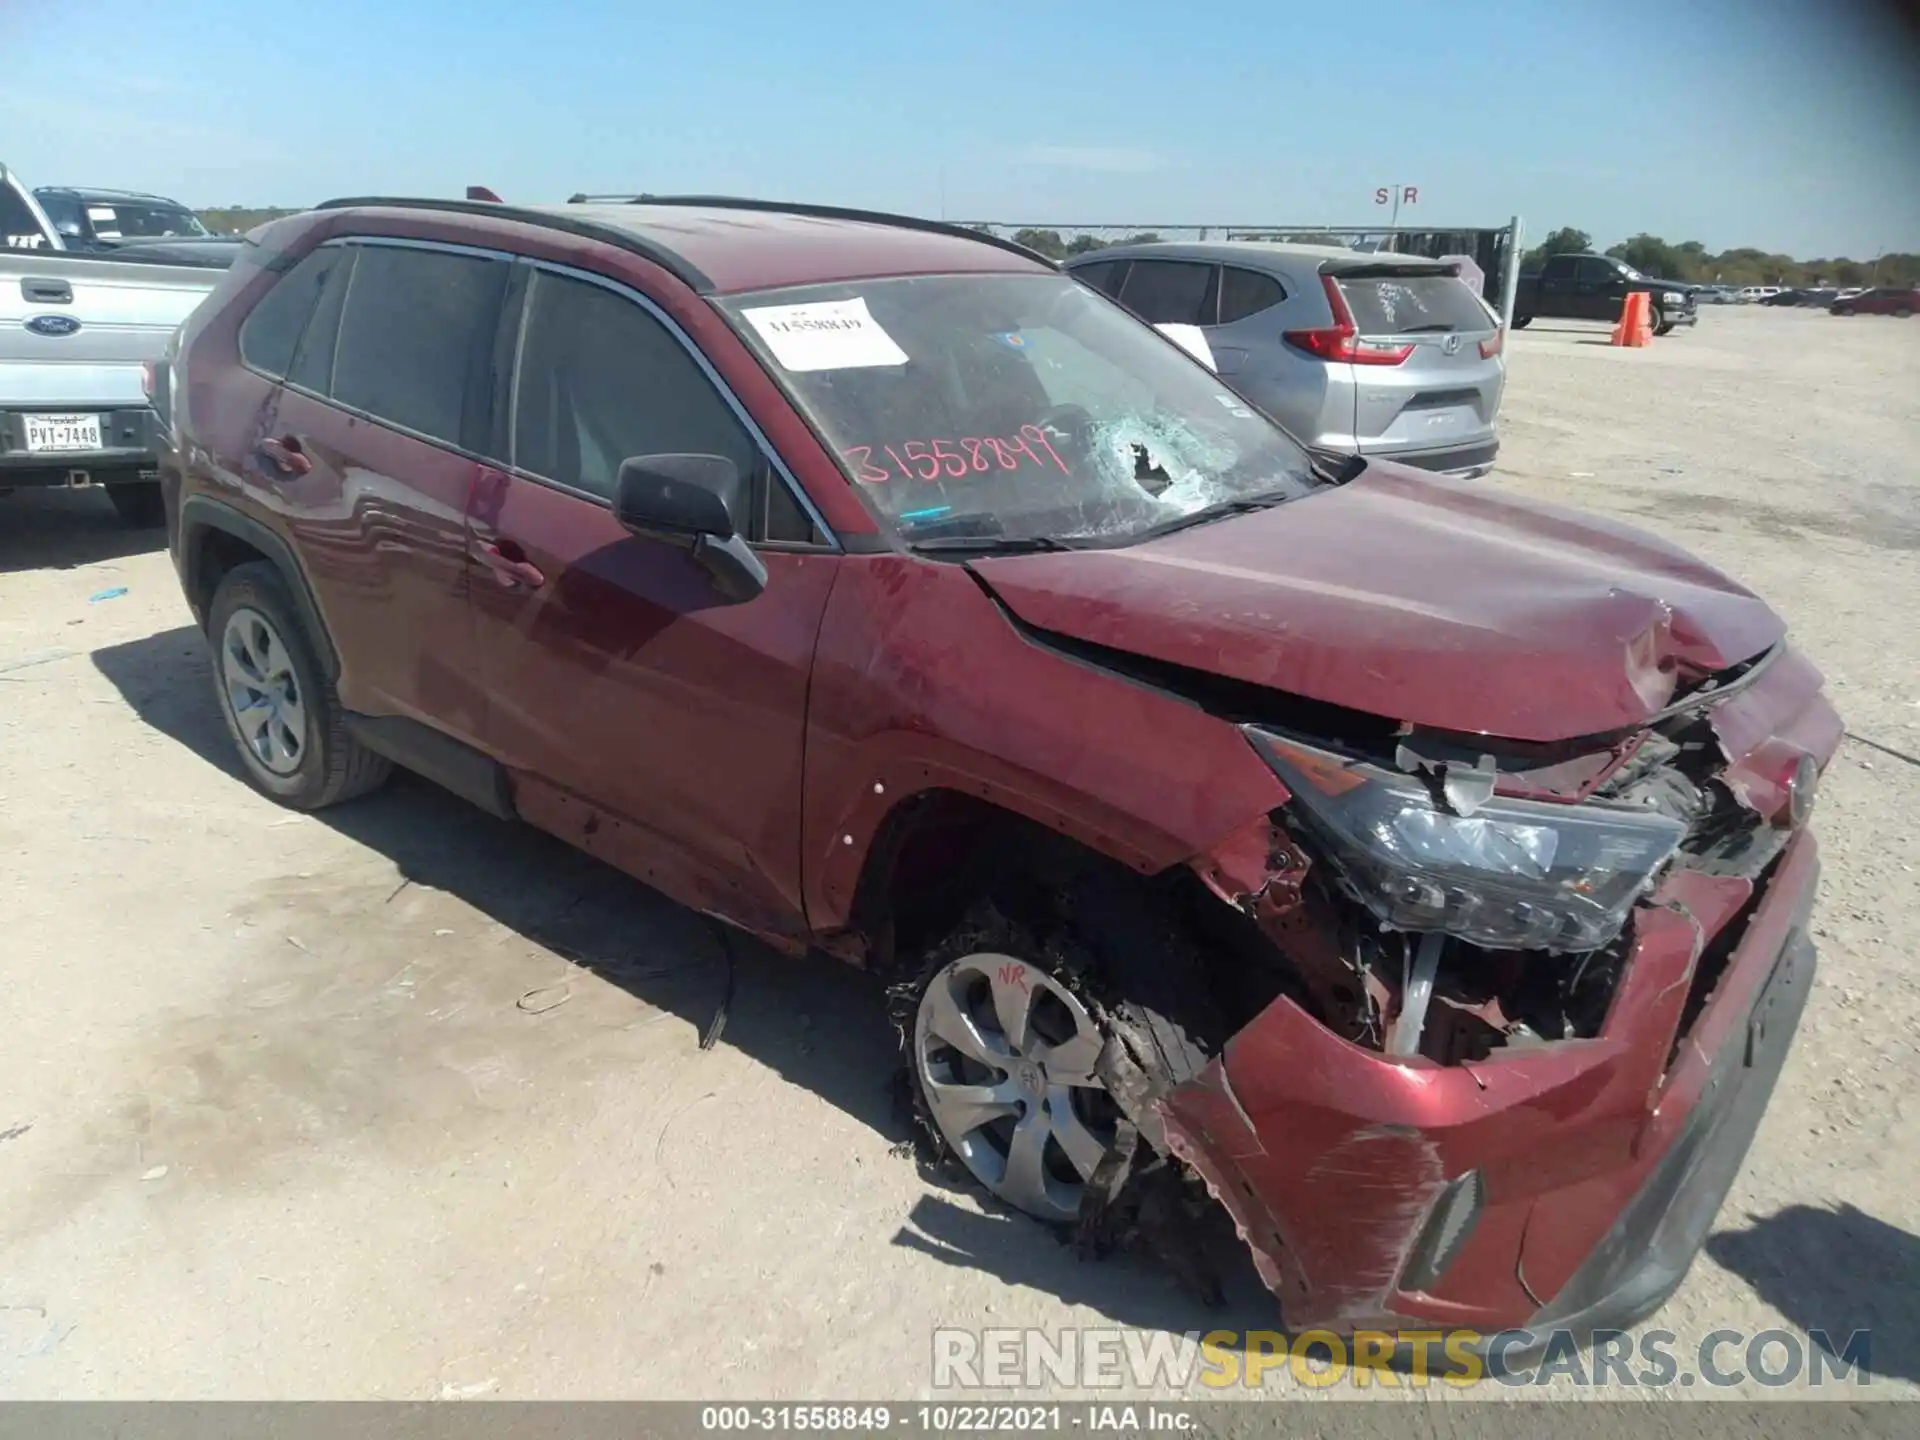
[1004, 1054]
[262, 691]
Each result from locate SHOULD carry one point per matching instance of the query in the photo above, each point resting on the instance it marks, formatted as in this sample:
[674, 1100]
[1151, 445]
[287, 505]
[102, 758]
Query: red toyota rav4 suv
[1421, 870]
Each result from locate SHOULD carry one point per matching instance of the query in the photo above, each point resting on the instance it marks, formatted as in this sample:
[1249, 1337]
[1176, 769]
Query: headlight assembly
[1513, 875]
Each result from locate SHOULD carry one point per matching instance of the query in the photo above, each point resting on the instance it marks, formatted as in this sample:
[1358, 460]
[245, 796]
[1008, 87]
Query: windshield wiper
[996, 544]
[1219, 510]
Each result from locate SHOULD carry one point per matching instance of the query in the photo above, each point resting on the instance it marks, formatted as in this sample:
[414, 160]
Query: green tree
[1085, 244]
[1559, 242]
[1651, 255]
[1047, 242]
[1145, 237]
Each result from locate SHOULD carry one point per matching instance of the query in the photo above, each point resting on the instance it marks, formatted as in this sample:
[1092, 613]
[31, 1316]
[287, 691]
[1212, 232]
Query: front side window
[415, 341]
[601, 380]
[1013, 407]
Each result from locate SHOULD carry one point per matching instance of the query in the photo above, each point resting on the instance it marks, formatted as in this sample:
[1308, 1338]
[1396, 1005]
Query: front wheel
[1520, 322]
[1903, 313]
[1006, 1026]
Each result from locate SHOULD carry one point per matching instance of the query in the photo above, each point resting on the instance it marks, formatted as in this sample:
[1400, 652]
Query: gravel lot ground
[301, 1107]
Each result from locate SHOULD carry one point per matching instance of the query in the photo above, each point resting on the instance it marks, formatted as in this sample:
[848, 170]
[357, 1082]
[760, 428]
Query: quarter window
[1246, 292]
[272, 328]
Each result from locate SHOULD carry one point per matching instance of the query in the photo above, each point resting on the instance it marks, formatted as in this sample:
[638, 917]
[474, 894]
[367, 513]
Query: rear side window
[601, 380]
[1104, 275]
[1411, 304]
[271, 331]
[1246, 292]
[1172, 292]
[416, 338]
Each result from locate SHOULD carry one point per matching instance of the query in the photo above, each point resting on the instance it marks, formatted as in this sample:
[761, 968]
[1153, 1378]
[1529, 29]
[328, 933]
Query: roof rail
[668, 260]
[824, 212]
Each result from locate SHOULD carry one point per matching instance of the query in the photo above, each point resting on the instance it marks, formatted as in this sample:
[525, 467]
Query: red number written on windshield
[931, 460]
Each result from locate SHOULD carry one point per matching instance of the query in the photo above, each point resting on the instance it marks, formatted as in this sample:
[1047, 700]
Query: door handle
[508, 563]
[287, 455]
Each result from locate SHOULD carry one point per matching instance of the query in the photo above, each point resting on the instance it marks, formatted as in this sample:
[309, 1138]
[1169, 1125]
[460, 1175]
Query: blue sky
[1761, 124]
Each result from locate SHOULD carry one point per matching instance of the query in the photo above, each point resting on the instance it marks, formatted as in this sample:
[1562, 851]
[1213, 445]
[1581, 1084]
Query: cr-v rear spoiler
[1361, 266]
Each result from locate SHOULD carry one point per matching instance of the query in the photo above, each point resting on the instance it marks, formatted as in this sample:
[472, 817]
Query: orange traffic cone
[1635, 326]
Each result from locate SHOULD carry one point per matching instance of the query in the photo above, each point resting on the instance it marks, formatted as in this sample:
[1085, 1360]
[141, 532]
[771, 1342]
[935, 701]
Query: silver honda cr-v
[1390, 356]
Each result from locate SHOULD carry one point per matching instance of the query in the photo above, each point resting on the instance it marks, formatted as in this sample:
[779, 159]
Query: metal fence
[1495, 250]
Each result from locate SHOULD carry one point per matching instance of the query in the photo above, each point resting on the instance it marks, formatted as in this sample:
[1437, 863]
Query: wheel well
[940, 851]
[216, 553]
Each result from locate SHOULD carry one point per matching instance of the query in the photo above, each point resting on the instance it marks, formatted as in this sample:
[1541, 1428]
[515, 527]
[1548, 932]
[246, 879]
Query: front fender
[921, 681]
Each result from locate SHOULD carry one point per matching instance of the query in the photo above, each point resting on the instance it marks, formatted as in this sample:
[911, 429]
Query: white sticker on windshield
[1191, 339]
[831, 335]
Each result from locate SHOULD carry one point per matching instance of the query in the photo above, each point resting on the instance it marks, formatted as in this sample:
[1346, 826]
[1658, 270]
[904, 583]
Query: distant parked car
[90, 219]
[1716, 295]
[1386, 356]
[1901, 300]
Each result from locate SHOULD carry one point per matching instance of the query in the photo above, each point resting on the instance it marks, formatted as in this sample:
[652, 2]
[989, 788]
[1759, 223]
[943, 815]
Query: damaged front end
[1491, 984]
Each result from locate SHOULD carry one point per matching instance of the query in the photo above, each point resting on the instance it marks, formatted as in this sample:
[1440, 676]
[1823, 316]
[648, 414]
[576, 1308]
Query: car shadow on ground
[816, 1022]
[44, 529]
[1837, 1271]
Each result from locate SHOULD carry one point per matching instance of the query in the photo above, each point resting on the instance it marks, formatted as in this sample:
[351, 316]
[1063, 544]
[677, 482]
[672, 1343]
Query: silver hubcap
[1005, 1056]
[263, 693]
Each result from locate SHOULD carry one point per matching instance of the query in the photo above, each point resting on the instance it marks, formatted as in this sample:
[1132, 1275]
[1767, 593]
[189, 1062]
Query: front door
[644, 718]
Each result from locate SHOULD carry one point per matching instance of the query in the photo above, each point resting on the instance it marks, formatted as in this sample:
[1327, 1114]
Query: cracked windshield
[1016, 408]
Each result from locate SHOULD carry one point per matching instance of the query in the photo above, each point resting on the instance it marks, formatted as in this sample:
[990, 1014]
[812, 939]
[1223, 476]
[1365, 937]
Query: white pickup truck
[81, 335]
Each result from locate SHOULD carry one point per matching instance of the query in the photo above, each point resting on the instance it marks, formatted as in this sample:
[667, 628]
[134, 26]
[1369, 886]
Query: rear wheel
[140, 504]
[1903, 313]
[279, 707]
[1520, 322]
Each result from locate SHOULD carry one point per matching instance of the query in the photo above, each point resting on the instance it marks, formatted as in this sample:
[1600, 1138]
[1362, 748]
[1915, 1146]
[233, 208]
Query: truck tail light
[1493, 344]
[1341, 340]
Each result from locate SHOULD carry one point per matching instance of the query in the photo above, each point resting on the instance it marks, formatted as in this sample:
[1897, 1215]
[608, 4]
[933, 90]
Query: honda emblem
[1451, 344]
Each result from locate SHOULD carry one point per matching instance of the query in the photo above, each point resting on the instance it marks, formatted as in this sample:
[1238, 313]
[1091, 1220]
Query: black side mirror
[691, 501]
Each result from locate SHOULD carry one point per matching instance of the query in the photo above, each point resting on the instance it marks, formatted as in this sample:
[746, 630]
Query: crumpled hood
[1446, 604]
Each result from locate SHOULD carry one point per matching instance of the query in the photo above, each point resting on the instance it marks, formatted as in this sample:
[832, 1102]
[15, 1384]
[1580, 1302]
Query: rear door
[1446, 391]
[643, 719]
[1556, 296]
[1598, 289]
[374, 448]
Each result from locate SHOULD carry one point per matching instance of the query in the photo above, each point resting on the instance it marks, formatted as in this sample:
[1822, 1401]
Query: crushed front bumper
[1562, 1184]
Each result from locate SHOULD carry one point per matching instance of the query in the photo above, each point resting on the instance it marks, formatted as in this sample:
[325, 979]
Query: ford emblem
[53, 325]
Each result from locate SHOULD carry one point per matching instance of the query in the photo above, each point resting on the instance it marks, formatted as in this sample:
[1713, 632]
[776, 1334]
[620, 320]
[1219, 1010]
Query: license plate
[53, 433]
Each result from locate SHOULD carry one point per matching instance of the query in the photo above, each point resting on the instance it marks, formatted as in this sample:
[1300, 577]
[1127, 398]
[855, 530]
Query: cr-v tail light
[1493, 344]
[1341, 340]
[149, 380]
